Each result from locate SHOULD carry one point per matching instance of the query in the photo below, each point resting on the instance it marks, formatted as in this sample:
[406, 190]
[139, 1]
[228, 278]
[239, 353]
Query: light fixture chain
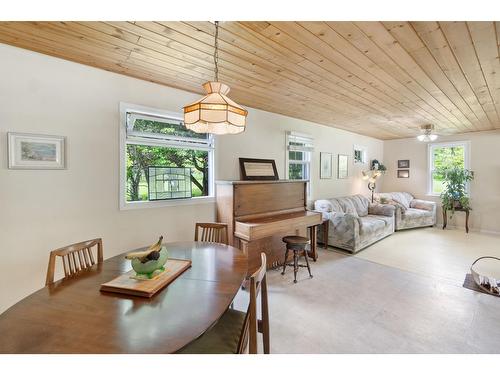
[216, 51]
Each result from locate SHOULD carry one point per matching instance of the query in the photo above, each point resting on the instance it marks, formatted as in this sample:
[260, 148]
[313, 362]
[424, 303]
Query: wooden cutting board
[146, 288]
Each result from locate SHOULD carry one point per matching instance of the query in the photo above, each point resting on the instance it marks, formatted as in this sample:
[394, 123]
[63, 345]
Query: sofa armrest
[381, 209]
[423, 205]
[325, 215]
[345, 228]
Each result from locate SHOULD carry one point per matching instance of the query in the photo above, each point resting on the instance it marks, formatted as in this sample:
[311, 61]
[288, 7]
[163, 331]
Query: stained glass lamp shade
[215, 113]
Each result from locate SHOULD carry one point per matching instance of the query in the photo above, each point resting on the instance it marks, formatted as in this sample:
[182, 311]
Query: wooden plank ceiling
[381, 79]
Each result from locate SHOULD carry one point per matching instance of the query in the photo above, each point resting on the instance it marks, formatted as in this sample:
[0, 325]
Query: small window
[445, 155]
[359, 155]
[162, 160]
[299, 152]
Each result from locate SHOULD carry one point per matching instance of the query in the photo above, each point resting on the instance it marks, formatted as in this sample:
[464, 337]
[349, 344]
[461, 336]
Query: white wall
[485, 197]
[42, 209]
[265, 138]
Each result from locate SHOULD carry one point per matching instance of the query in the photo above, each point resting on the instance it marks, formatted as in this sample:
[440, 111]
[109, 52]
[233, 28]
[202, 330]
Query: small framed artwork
[342, 167]
[403, 164]
[258, 169]
[325, 159]
[403, 173]
[359, 155]
[36, 151]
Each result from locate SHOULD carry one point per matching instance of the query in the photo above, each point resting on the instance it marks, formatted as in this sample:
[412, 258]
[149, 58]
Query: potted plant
[454, 195]
[376, 165]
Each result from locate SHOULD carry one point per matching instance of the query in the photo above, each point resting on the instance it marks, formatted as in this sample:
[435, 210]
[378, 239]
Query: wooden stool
[296, 244]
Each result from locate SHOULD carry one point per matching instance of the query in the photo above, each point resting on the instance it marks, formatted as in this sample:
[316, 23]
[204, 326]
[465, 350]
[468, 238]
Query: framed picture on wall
[258, 169]
[403, 173]
[325, 161]
[36, 151]
[342, 166]
[403, 164]
[360, 156]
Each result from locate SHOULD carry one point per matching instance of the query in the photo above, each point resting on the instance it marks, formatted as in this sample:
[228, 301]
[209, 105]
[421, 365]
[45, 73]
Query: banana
[143, 254]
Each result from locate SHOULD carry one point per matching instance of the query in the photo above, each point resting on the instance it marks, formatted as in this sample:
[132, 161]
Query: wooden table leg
[313, 238]
[467, 221]
[326, 227]
[445, 218]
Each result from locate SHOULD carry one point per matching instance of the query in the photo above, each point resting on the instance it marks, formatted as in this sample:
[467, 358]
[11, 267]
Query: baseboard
[485, 231]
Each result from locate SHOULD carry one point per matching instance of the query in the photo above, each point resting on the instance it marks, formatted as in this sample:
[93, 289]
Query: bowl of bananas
[149, 263]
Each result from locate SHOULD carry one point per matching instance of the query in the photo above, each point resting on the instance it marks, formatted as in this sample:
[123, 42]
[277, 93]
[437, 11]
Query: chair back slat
[251, 326]
[83, 261]
[92, 261]
[86, 258]
[66, 272]
[80, 260]
[75, 265]
[75, 258]
[211, 232]
[77, 268]
[70, 265]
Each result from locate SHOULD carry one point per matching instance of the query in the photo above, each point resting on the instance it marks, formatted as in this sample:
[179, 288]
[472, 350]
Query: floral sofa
[410, 212]
[354, 223]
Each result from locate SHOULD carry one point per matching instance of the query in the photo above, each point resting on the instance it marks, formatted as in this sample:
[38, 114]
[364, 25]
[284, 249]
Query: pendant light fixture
[427, 135]
[215, 113]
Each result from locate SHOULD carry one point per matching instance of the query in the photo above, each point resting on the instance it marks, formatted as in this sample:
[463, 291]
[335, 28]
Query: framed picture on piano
[258, 169]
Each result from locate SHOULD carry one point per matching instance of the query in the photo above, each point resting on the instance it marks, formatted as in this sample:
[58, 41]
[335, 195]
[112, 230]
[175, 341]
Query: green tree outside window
[445, 157]
[140, 157]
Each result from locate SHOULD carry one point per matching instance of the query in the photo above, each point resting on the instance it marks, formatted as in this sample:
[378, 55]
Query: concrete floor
[444, 254]
[355, 305]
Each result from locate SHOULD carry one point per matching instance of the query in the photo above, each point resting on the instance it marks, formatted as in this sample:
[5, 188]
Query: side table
[325, 226]
[466, 210]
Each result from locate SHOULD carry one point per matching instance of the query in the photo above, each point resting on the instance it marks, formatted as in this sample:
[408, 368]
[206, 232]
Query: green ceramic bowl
[151, 265]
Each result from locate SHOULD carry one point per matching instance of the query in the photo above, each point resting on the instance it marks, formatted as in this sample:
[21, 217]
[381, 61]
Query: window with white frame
[299, 153]
[442, 156]
[359, 155]
[161, 159]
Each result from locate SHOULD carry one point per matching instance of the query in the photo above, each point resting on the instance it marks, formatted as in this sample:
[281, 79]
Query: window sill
[166, 203]
[433, 194]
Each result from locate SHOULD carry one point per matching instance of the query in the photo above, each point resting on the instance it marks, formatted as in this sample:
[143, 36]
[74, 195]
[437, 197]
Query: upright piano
[260, 213]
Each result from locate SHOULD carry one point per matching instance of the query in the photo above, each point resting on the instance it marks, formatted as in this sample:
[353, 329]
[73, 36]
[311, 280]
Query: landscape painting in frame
[326, 165]
[403, 173]
[404, 164]
[35, 151]
[342, 168]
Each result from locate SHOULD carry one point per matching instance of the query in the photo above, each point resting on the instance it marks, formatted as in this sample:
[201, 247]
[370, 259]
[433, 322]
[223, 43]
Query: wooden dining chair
[236, 331]
[75, 258]
[211, 232]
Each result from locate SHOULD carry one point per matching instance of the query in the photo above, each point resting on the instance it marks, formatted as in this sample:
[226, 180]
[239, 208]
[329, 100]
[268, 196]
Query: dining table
[73, 316]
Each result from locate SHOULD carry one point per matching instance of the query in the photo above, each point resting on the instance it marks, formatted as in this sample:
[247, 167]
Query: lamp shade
[215, 113]
[427, 135]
